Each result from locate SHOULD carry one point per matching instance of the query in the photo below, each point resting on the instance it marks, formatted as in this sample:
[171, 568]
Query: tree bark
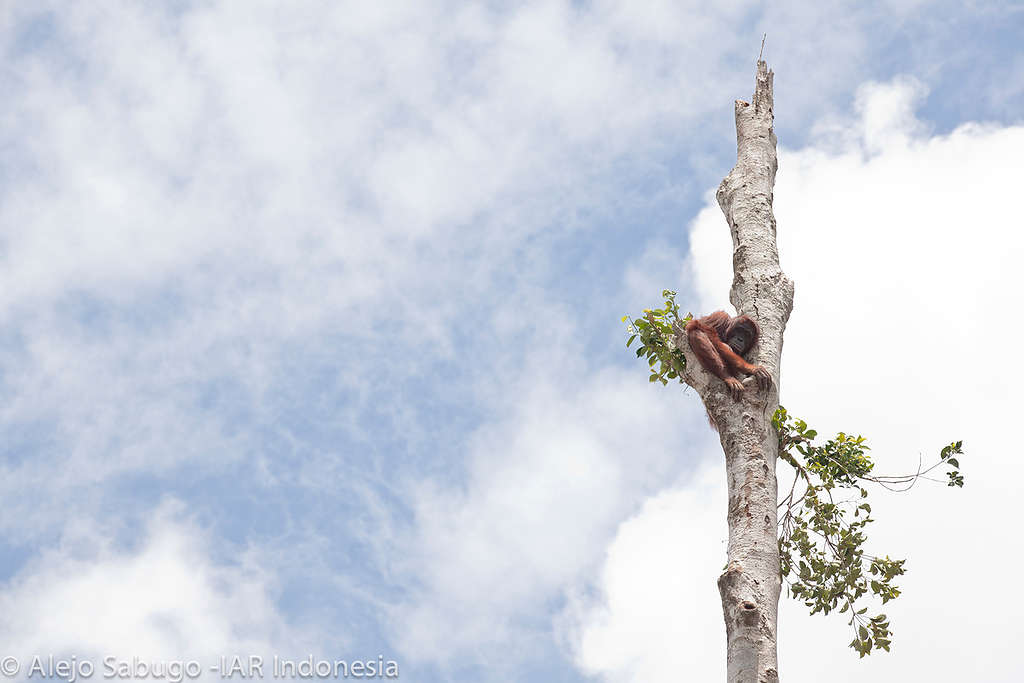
[750, 584]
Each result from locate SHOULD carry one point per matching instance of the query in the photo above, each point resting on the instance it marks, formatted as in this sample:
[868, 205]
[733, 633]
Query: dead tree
[750, 584]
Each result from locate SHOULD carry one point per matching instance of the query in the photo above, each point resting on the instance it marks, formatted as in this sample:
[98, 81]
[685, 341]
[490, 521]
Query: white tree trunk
[750, 584]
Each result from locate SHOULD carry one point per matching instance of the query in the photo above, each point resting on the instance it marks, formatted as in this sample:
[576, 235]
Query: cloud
[904, 262]
[196, 196]
[544, 488]
[165, 598]
[656, 590]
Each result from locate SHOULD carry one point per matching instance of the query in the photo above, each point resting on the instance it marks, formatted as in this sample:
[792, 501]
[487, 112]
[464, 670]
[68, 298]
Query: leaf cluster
[655, 329]
[946, 456]
[823, 529]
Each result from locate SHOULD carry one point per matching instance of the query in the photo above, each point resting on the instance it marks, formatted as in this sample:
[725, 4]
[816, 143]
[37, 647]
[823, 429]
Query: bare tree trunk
[750, 584]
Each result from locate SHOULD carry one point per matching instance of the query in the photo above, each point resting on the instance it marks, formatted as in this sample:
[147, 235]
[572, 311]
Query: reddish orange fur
[708, 338]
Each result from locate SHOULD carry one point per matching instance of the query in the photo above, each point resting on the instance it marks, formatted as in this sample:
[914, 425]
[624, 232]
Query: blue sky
[310, 339]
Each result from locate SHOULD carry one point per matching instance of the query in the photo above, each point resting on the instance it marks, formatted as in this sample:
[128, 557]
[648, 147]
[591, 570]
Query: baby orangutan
[720, 342]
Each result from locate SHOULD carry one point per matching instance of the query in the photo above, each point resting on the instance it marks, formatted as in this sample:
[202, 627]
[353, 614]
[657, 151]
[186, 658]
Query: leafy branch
[655, 330]
[821, 553]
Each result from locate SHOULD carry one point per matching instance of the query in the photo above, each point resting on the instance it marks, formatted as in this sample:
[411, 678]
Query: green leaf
[630, 341]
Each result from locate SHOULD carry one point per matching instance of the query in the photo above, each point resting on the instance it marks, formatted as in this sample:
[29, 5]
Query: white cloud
[657, 590]
[544, 488]
[223, 183]
[904, 250]
[165, 599]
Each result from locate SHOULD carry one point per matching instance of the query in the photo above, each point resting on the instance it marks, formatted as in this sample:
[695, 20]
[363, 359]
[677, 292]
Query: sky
[310, 338]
